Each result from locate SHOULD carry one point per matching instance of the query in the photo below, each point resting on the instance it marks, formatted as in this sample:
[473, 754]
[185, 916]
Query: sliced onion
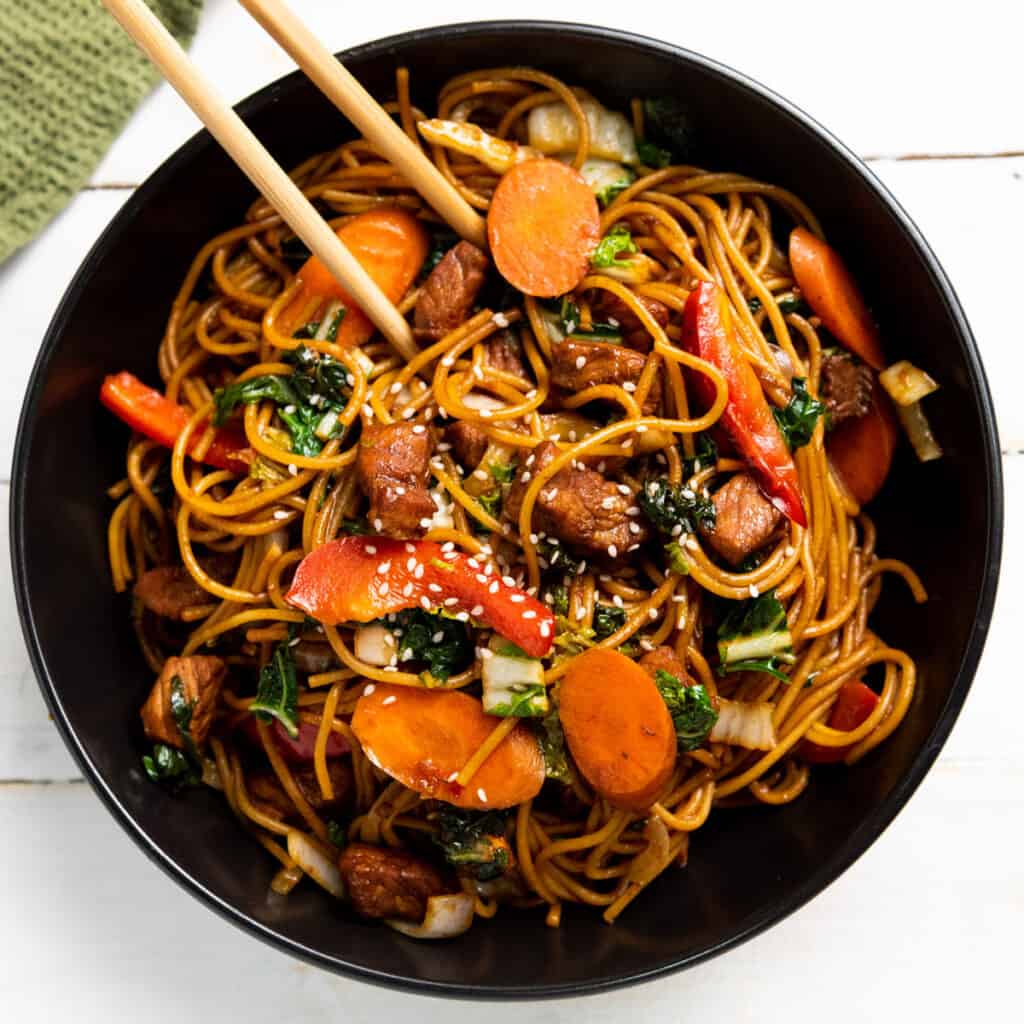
[327, 320]
[375, 645]
[744, 724]
[635, 269]
[446, 917]
[919, 431]
[649, 864]
[315, 863]
[905, 383]
[499, 155]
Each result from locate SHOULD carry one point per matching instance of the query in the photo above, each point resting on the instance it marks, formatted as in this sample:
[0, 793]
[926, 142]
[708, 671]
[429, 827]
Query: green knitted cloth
[69, 79]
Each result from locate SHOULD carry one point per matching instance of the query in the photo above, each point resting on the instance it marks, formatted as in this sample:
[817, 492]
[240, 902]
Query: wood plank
[880, 91]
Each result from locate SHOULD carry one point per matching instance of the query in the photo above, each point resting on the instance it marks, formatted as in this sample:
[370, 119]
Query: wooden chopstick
[261, 169]
[340, 87]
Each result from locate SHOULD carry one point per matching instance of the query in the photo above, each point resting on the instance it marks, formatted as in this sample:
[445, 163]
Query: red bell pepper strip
[747, 419]
[832, 293]
[300, 749]
[151, 414]
[856, 701]
[860, 450]
[359, 579]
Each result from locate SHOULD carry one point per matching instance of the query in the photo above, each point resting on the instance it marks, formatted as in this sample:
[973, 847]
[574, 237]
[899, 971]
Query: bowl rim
[774, 910]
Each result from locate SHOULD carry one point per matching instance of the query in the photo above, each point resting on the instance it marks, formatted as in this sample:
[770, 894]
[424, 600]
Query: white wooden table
[926, 924]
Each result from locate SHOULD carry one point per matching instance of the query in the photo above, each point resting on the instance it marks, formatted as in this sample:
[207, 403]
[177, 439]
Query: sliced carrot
[423, 738]
[618, 729]
[860, 450]
[542, 226]
[832, 293]
[390, 244]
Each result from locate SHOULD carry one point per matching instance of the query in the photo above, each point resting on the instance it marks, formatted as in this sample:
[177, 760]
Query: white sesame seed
[488, 568]
[396, 387]
[790, 551]
[508, 581]
[481, 578]
[617, 600]
[407, 590]
[453, 777]
[419, 429]
[632, 547]
[572, 435]
[608, 503]
[406, 656]
[545, 629]
[389, 700]
[696, 465]
[462, 616]
[370, 549]
[444, 446]
[532, 393]
[434, 588]
[641, 429]
[679, 598]
[472, 563]
[494, 587]
[448, 361]
[390, 668]
[368, 410]
[450, 602]
[426, 522]
[526, 476]
[486, 413]
[383, 568]
[629, 386]
[633, 510]
[295, 640]
[385, 587]
[481, 794]
[581, 361]
[634, 528]
[652, 613]
[601, 466]
[688, 494]
[691, 544]
[399, 490]
[623, 489]
[293, 469]
[677, 529]
[581, 568]
[645, 644]
[529, 614]
[418, 571]
[534, 538]
[476, 611]
[613, 550]
[517, 598]
[281, 514]
[499, 320]
[368, 689]
[378, 524]
[425, 602]
[753, 591]
[448, 545]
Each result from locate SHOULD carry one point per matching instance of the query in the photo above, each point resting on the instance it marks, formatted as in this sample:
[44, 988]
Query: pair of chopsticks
[266, 174]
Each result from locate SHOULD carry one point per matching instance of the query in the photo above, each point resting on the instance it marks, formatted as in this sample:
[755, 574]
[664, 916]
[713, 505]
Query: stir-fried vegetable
[542, 225]
[471, 140]
[278, 691]
[832, 293]
[562, 320]
[390, 244]
[906, 385]
[747, 418]
[311, 857]
[755, 637]
[605, 177]
[861, 449]
[174, 768]
[359, 579]
[552, 128]
[513, 683]
[309, 402]
[446, 917]
[852, 708]
[424, 738]
[474, 843]
[442, 642]
[617, 256]
[617, 727]
[675, 509]
[693, 714]
[152, 415]
[798, 420]
[745, 724]
[552, 744]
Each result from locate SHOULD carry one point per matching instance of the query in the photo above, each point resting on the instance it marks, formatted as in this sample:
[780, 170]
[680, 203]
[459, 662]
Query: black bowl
[748, 868]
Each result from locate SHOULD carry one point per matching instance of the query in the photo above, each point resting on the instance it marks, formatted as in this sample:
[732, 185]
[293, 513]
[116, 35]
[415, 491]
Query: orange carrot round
[423, 738]
[832, 293]
[860, 450]
[390, 244]
[618, 729]
[542, 226]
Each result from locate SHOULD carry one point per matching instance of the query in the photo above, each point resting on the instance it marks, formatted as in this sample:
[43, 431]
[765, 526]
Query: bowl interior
[747, 867]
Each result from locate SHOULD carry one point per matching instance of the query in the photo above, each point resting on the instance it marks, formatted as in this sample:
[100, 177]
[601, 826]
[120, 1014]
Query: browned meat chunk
[394, 467]
[169, 589]
[265, 789]
[196, 680]
[312, 656]
[744, 519]
[468, 441]
[579, 506]
[382, 882]
[634, 334]
[576, 365]
[663, 659]
[505, 353]
[845, 387]
[448, 293]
